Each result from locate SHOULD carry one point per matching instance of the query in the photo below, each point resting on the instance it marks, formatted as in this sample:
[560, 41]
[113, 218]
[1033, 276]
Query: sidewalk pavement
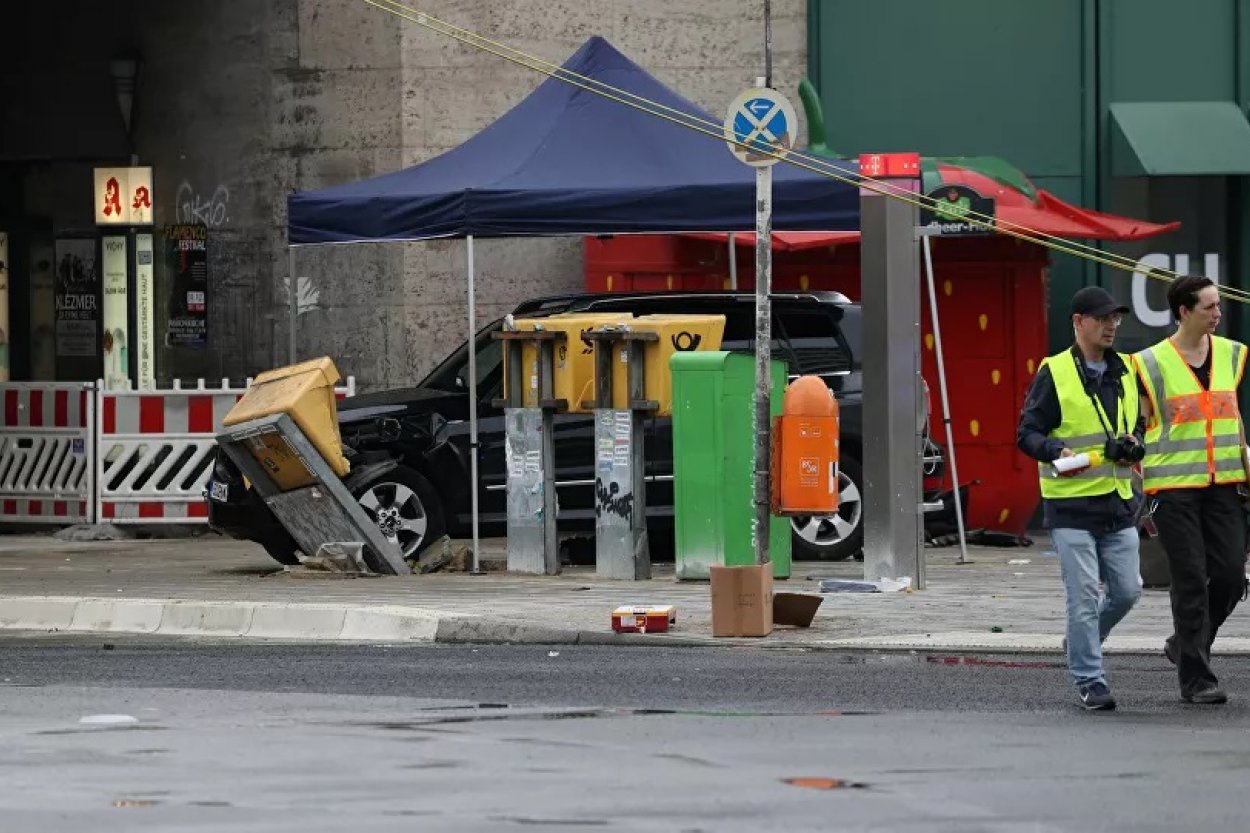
[214, 587]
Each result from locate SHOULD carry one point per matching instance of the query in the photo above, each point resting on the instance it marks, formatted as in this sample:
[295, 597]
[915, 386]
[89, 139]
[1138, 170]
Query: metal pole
[768, 44]
[763, 350]
[946, 405]
[892, 292]
[292, 301]
[733, 264]
[473, 404]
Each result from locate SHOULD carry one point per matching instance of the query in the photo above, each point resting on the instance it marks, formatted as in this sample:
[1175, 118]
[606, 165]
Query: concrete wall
[242, 102]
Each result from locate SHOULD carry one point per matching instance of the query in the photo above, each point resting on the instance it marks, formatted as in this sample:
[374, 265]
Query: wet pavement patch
[688, 759]
[811, 783]
[434, 765]
[95, 730]
[553, 822]
[982, 662]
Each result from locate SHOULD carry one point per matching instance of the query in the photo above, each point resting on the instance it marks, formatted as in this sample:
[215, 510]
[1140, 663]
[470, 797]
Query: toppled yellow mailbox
[305, 392]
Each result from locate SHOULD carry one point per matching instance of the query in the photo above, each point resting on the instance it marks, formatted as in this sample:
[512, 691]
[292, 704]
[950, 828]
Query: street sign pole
[763, 355]
[760, 130]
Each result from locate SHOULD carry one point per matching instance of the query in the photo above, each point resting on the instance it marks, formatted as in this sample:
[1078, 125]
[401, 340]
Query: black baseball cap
[1096, 301]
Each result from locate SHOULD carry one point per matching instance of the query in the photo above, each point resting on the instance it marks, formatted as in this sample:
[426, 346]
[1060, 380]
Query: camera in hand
[1123, 449]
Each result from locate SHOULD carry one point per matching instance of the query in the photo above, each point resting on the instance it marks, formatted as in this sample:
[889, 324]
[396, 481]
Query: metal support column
[890, 276]
[622, 548]
[533, 546]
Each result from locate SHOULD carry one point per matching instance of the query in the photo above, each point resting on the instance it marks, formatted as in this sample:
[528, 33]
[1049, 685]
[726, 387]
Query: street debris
[1019, 561]
[445, 556]
[795, 609]
[850, 585]
[338, 557]
[643, 619]
[93, 532]
[552, 654]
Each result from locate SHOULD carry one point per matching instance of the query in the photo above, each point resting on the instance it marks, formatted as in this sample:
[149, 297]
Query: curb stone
[348, 623]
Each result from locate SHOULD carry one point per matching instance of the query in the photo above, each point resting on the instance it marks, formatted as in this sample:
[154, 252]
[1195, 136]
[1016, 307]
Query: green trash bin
[713, 446]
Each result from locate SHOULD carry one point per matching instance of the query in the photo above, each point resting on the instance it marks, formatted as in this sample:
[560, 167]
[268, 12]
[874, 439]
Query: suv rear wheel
[835, 537]
[405, 507]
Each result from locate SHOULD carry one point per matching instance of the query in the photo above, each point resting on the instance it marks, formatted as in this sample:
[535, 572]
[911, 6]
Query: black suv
[409, 447]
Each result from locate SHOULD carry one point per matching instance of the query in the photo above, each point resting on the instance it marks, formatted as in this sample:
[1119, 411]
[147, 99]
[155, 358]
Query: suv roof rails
[551, 304]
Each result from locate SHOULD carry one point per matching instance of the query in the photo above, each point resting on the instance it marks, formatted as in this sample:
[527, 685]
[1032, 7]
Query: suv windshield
[453, 373]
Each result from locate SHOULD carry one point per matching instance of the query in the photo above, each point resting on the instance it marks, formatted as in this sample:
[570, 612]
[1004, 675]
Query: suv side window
[810, 343]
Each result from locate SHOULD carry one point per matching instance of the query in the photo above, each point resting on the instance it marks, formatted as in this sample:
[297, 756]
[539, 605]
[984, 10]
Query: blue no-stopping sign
[761, 127]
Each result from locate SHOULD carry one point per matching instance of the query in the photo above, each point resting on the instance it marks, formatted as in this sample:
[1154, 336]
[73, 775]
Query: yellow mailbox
[574, 360]
[677, 334]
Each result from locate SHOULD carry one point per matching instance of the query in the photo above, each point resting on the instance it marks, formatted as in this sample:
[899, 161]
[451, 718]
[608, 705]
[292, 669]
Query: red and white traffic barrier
[46, 452]
[72, 452]
[155, 451]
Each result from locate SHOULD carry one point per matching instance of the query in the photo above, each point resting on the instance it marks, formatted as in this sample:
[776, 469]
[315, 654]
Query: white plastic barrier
[46, 452]
[154, 451]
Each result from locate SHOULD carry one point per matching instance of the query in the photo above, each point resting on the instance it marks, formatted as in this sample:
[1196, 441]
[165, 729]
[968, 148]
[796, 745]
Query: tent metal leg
[292, 302]
[946, 405]
[473, 405]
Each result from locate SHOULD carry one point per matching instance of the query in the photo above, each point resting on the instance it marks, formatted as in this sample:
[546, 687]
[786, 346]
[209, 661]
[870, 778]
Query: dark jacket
[1041, 415]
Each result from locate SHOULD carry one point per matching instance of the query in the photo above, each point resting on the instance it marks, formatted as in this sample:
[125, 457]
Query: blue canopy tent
[566, 161]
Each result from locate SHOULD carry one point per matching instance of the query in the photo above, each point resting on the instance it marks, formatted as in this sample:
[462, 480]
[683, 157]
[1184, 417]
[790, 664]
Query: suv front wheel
[405, 507]
[835, 537]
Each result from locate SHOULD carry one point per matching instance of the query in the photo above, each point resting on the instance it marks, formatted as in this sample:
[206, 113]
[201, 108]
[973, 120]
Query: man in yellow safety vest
[1195, 472]
[1081, 422]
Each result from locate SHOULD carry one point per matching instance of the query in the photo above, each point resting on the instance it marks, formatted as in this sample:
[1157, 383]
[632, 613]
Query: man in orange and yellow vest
[1194, 471]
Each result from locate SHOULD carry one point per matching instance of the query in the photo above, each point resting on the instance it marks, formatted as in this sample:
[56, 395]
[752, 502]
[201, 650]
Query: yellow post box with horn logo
[676, 334]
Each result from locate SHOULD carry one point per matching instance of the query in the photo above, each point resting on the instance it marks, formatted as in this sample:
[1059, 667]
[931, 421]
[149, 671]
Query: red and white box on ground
[644, 618]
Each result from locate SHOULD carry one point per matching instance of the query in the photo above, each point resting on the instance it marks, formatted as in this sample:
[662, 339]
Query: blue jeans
[1088, 559]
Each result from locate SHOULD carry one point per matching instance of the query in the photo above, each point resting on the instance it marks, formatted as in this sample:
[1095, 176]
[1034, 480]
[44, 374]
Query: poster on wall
[77, 310]
[42, 310]
[145, 297]
[4, 306]
[186, 264]
[116, 336]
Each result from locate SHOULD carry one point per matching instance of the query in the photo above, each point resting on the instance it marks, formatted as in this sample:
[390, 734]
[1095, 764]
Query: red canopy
[1051, 215]
[1048, 215]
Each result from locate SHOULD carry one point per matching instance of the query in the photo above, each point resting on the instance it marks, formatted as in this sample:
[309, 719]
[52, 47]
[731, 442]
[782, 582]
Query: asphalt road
[138, 734]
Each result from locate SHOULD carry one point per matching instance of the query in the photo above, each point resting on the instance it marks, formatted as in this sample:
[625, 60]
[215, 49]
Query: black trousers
[1204, 534]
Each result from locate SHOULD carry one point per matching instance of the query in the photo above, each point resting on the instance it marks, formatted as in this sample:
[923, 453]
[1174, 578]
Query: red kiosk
[992, 300]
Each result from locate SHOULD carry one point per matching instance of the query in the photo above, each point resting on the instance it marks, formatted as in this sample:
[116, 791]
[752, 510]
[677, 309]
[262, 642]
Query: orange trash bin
[805, 450]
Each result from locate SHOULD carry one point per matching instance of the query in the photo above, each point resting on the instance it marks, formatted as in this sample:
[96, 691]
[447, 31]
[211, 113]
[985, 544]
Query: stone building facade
[237, 103]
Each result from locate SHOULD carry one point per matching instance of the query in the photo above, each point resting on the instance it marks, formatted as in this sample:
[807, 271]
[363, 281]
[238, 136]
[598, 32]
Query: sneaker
[1096, 697]
[1207, 694]
[1169, 649]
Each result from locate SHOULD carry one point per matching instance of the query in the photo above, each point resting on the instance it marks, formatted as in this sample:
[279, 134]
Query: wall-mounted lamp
[124, 68]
